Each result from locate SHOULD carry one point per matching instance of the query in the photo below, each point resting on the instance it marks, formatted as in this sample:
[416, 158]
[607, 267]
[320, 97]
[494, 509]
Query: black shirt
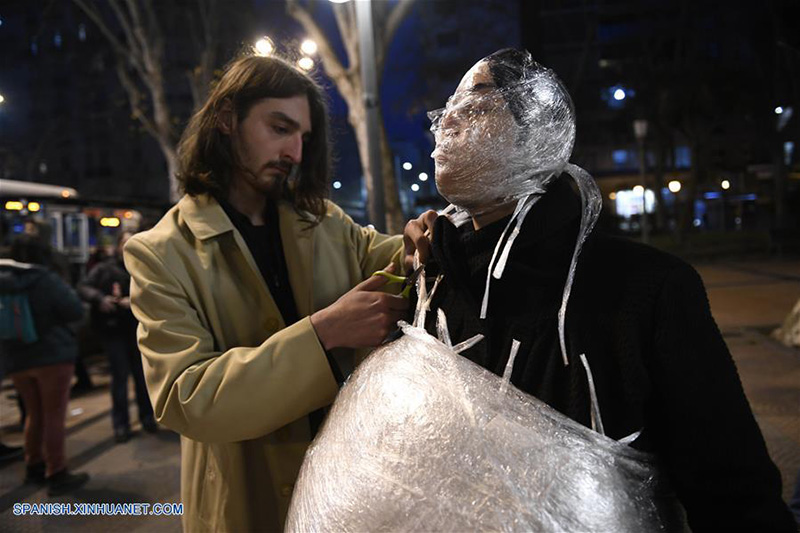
[266, 247]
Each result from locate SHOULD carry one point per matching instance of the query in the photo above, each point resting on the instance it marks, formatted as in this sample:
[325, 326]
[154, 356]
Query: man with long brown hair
[251, 293]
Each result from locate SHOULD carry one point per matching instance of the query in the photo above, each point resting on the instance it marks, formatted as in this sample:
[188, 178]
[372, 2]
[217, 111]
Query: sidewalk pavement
[748, 299]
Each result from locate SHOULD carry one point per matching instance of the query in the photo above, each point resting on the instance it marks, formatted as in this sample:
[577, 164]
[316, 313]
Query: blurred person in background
[106, 288]
[41, 358]
[59, 263]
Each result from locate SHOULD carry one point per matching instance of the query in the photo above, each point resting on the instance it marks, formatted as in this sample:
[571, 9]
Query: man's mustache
[283, 166]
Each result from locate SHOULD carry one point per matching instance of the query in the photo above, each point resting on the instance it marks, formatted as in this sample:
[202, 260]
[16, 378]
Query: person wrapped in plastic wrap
[625, 400]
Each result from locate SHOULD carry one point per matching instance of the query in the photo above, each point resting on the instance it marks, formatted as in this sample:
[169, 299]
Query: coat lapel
[298, 247]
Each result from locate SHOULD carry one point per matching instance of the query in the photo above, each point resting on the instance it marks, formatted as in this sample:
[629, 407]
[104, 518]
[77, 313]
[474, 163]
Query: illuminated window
[629, 203]
[683, 157]
[620, 157]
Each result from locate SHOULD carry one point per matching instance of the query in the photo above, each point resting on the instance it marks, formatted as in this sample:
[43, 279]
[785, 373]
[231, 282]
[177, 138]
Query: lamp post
[369, 78]
[640, 131]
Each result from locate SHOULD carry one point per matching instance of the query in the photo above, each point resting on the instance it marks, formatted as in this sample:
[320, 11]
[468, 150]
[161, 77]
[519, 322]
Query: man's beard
[274, 184]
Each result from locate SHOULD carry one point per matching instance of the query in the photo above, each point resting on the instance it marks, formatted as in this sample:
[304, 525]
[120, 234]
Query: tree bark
[140, 67]
[348, 82]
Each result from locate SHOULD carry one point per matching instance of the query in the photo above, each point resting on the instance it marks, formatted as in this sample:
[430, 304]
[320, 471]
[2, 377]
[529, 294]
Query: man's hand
[415, 238]
[361, 318]
[108, 304]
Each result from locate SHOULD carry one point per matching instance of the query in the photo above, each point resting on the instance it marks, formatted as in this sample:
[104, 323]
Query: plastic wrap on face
[495, 145]
[421, 439]
[504, 135]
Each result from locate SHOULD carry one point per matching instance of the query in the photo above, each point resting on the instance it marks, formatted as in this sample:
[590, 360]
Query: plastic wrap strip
[592, 202]
[467, 344]
[509, 366]
[500, 267]
[441, 328]
[497, 248]
[597, 420]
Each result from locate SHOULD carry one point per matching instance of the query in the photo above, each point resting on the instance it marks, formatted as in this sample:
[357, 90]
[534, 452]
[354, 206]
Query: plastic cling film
[420, 439]
[502, 137]
[505, 134]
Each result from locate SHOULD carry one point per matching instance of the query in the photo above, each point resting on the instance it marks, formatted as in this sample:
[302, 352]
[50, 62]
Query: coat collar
[206, 219]
[204, 216]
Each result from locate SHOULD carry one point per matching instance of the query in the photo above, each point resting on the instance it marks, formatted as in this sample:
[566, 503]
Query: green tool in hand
[405, 282]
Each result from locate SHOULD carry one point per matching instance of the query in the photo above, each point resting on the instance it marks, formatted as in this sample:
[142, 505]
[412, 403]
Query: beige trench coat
[221, 367]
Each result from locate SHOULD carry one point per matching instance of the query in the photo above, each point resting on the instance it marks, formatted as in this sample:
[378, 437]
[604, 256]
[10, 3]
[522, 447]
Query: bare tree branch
[393, 21]
[134, 98]
[118, 47]
[332, 64]
[126, 28]
[345, 20]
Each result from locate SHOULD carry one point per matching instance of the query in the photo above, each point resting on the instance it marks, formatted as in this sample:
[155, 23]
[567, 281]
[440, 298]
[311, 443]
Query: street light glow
[423, 176]
[305, 63]
[309, 47]
[414, 187]
[339, 1]
[264, 47]
[726, 184]
[337, 185]
[619, 94]
[12, 205]
[109, 222]
[33, 207]
[638, 189]
[674, 186]
[778, 110]
[407, 166]
[2, 98]
[612, 196]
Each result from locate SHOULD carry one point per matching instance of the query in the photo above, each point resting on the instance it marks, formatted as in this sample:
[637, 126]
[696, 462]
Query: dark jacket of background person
[99, 283]
[53, 305]
[658, 359]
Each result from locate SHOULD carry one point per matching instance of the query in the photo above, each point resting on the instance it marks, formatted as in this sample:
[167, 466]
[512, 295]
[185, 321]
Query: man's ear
[226, 118]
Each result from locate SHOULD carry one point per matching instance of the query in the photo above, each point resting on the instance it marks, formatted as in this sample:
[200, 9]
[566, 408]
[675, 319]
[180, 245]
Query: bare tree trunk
[140, 55]
[394, 213]
[395, 220]
[348, 82]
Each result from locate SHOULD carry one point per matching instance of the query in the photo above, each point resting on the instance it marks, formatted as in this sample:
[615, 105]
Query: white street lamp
[423, 176]
[407, 166]
[305, 63]
[264, 47]
[414, 187]
[674, 186]
[2, 98]
[725, 184]
[309, 47]
[778, 110]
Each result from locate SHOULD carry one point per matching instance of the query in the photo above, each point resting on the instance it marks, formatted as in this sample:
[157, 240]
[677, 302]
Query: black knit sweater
[657, 357]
